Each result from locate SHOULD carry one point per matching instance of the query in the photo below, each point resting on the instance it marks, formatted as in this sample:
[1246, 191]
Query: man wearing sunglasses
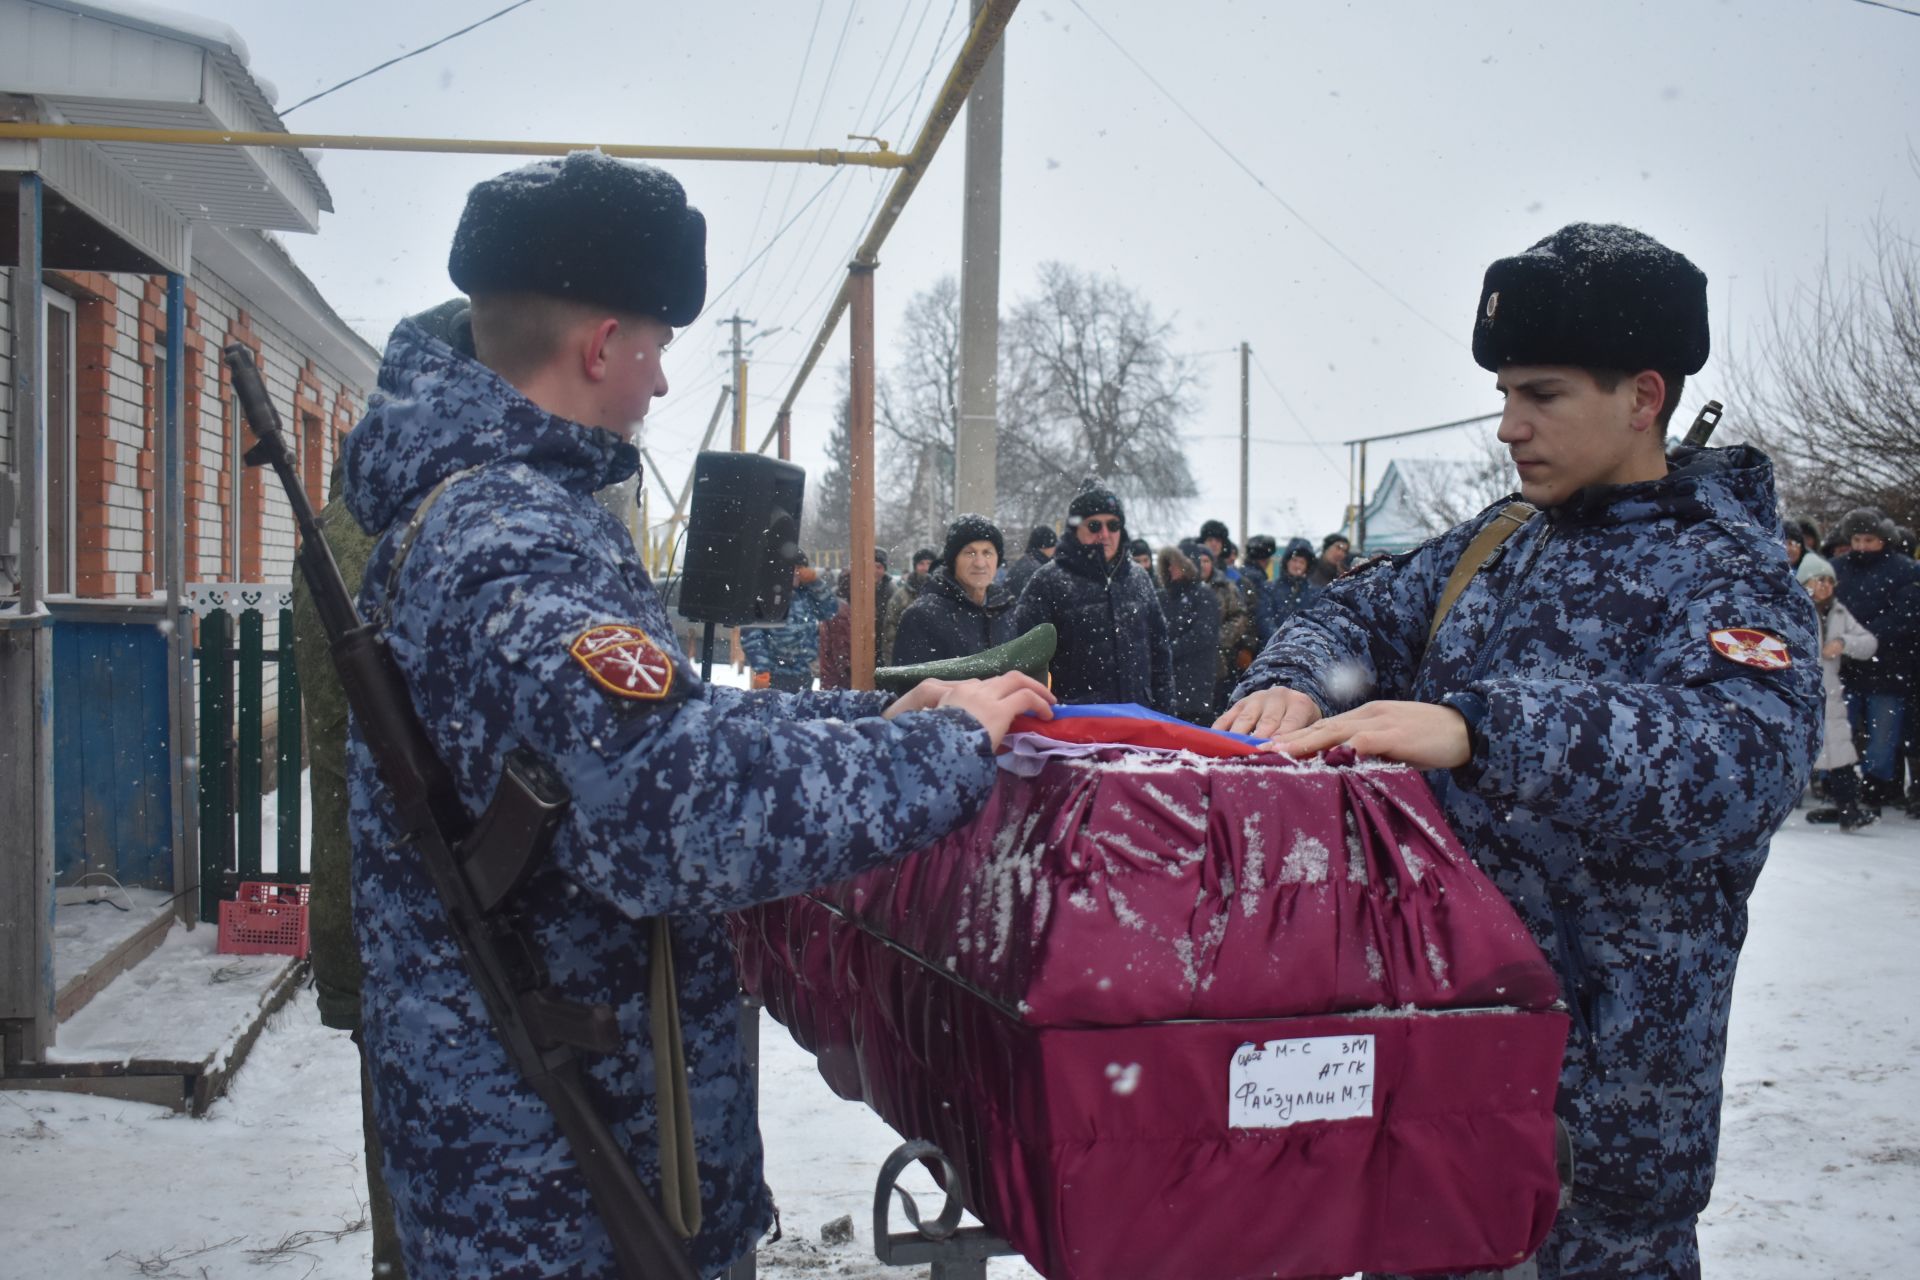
[1113, 644]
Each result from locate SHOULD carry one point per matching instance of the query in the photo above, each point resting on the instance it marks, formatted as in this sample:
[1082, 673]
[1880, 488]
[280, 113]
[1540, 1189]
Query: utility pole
[976, 443]
[1245, 437]
[739, 381]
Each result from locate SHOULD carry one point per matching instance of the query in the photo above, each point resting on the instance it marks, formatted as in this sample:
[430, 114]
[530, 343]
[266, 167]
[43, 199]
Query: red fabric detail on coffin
[1114, 913]
[1138, 731]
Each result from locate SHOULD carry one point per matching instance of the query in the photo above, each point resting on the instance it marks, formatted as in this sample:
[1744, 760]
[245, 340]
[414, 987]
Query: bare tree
[1441, 493]
[828, 511]
[1832, 388]
[918, 410]
[1093, 388]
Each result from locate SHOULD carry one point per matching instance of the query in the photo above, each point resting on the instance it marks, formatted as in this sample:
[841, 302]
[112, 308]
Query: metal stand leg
[955, 1253]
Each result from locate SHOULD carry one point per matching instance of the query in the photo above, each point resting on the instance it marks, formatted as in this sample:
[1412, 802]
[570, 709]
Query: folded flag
[1129, 724]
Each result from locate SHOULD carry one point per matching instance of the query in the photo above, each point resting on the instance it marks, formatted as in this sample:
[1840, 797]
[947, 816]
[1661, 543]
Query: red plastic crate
[265, 920]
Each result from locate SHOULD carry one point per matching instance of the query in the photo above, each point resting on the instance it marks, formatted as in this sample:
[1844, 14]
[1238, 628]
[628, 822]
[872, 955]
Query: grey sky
[1422, 140]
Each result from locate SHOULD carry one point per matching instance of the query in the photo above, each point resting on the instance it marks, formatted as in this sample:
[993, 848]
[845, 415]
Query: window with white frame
[60, 538]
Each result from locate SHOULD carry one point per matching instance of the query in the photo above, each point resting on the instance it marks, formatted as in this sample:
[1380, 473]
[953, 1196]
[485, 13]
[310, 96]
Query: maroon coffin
[1181, 1018]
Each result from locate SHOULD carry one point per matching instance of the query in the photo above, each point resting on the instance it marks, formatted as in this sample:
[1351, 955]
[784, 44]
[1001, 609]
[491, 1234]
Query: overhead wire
[819, 106]
[1298, 421]
[799, 82]
[817, 305]
[820, 303]
[1260, 182]
[411, 53]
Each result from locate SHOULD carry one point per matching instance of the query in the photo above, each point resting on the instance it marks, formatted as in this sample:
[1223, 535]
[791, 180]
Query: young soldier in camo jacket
[523, 618]
[1617, 713]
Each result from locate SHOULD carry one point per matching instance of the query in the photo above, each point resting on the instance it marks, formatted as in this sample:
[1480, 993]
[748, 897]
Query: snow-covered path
[1819, 1171]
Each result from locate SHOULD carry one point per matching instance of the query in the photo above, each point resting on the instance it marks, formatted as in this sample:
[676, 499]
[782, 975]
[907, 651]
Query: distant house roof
[1396, 519]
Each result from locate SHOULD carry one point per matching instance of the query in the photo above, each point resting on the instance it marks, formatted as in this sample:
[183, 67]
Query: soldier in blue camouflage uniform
[1618, 713]
[522, 617]
[789, 654]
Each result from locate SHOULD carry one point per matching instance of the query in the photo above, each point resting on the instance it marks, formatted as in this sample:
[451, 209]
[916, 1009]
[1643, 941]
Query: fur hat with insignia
[1597, 296]
[590, 227]
[964, 532]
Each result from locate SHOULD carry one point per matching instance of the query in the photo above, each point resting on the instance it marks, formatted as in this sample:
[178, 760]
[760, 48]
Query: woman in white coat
[1841, 636]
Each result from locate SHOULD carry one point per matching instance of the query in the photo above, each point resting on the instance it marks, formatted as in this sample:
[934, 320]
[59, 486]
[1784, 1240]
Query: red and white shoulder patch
[1751, 647]
[623, 661]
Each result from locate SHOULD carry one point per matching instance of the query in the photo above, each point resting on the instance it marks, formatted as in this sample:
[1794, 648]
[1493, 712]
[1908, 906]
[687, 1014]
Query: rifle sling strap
[1492, 536]
[673, 1105]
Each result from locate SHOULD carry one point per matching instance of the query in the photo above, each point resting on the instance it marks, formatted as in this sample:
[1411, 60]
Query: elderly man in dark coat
[961, 609]
[1113, 637]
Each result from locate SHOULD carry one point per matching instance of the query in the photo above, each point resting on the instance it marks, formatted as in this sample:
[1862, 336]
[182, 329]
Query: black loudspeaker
[743, 539]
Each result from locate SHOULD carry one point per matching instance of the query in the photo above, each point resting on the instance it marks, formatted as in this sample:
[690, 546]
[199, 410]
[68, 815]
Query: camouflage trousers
[1588, 1245]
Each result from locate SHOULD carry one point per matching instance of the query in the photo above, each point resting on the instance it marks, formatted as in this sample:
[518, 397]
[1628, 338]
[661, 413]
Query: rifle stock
[541, 1034]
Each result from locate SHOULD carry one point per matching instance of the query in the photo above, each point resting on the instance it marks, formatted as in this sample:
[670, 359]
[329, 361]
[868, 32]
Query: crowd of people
[1175, 628]
[1866, 584]
[1172, 629]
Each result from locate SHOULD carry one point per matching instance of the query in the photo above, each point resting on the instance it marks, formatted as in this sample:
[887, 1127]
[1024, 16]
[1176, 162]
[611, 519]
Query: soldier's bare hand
[1421, 734]
[922, 697]
[998, 702]
[1269, 712]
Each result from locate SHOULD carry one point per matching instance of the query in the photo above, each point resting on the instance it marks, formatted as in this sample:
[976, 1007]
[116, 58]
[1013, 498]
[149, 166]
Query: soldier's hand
[1269, 712]
[922, 697]
[1421, 734]
[996, 703]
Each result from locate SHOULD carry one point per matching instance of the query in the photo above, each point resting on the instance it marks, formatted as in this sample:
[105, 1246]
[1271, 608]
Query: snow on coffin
[1183, 1018]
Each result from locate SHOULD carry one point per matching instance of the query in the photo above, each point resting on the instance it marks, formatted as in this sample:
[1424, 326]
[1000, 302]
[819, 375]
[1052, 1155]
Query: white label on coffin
[1288, 1082]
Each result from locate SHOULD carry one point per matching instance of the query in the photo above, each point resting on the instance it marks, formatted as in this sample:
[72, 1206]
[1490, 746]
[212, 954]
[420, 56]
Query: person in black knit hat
[961, 609]
[904, 594]
[1042, 542]
[1113, 644]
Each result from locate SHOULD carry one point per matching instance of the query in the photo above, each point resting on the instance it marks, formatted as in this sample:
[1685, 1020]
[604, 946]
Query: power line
[786, 129]
[774, 240]
[1260, 182]
[411, 53]
[1288, 406]
[1879, 4]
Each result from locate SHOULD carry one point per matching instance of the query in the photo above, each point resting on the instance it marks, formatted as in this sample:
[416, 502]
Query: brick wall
[238, 526]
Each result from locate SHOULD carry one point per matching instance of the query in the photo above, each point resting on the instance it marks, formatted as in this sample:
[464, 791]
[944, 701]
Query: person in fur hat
[1616, 712]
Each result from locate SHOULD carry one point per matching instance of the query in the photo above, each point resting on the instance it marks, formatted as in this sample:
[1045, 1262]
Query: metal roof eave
[91, 63]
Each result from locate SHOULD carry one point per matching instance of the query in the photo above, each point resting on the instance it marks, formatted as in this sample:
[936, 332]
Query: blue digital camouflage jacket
[1626, 777]
[523, 617]
[792, 648]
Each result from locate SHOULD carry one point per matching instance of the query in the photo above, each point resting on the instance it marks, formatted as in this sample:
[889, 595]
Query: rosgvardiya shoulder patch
[1751, 647]
[623, 661]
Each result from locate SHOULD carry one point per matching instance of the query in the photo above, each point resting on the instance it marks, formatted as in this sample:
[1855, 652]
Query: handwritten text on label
[1287, 1082]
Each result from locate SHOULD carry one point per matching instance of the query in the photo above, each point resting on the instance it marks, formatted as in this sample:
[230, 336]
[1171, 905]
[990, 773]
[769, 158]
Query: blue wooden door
[112, 803]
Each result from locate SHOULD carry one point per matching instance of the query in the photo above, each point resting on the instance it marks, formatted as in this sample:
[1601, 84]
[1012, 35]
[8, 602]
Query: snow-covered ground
[1819, 1170]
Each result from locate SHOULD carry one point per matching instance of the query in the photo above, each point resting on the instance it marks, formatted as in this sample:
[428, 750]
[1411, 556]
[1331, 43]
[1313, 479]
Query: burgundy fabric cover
[1054, 993]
